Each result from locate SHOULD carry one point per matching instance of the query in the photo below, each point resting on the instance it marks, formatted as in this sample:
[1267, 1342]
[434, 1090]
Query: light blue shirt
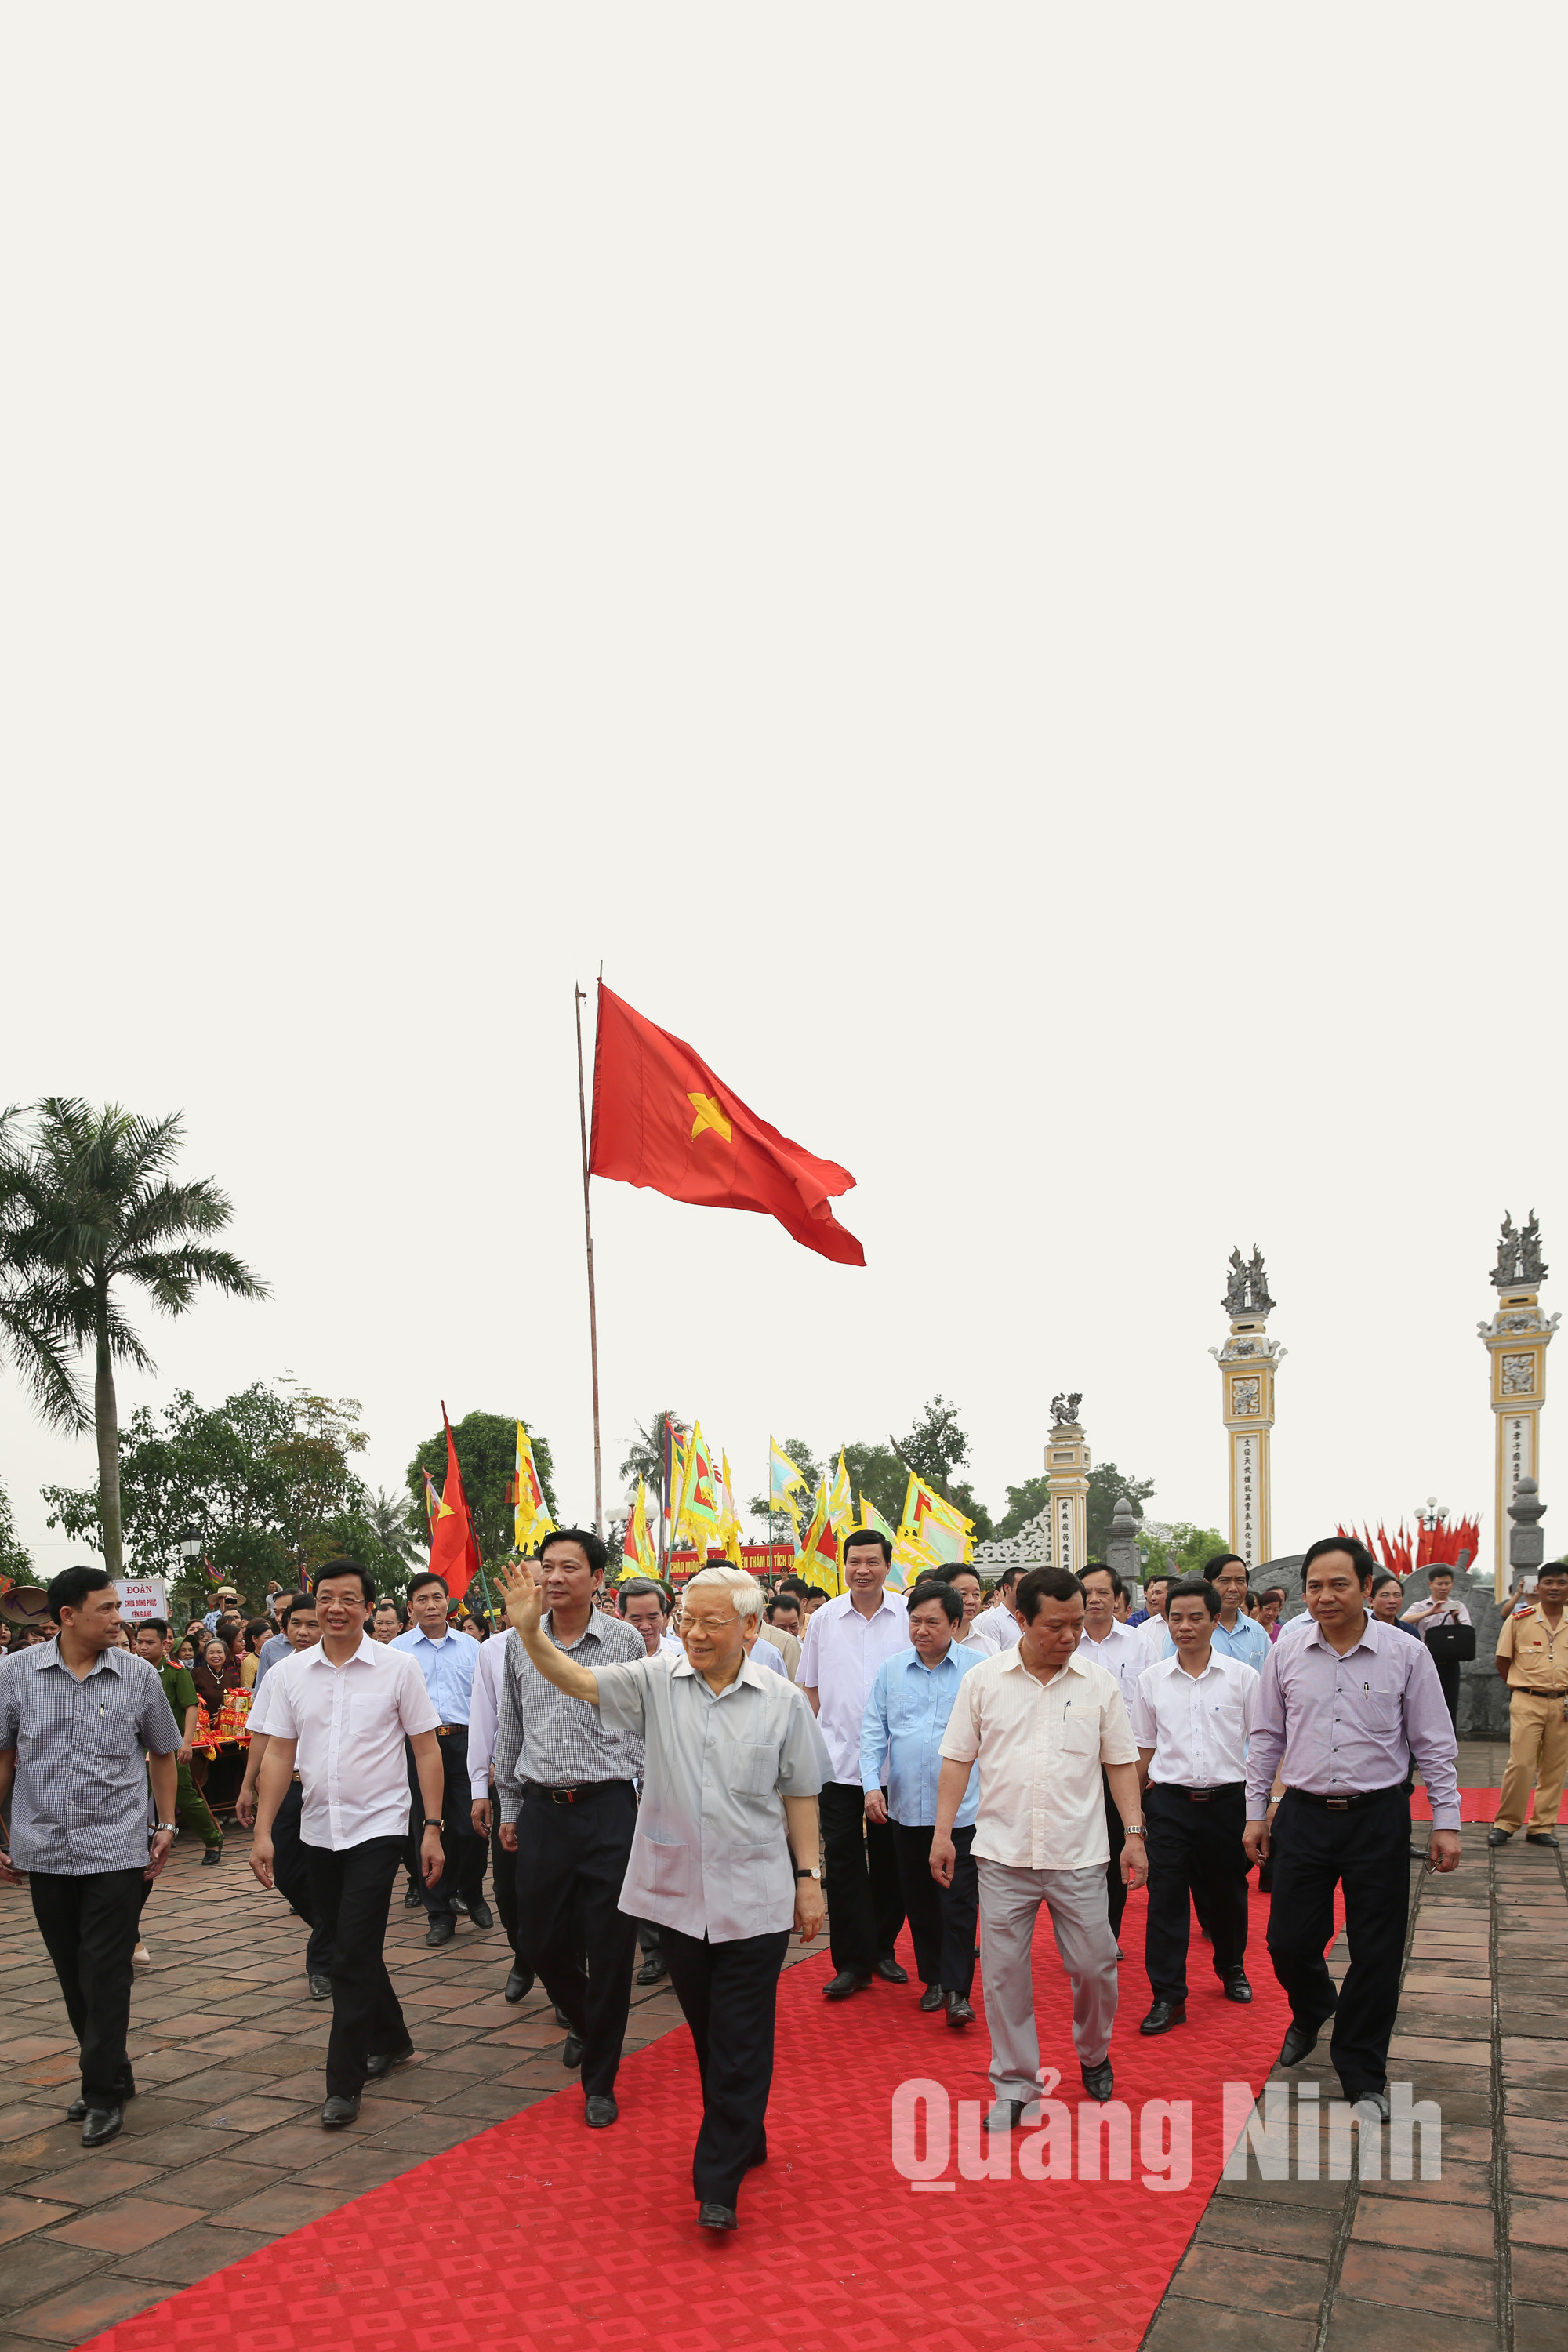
[1247, 1642]
[447, 1666]
[761, 1653]
[272, 1653]
[906, 1717]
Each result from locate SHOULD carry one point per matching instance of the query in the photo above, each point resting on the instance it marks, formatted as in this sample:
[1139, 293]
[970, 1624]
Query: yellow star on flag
[708, 1115]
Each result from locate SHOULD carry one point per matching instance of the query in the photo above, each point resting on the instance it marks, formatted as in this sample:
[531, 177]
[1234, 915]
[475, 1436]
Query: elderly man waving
[725, 1855]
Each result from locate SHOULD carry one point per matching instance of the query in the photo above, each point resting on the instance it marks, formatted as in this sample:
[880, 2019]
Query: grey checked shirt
[542, 1735]
[79, 1803]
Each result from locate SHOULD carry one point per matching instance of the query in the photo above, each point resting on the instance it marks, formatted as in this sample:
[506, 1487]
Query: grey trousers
[1010, 1901]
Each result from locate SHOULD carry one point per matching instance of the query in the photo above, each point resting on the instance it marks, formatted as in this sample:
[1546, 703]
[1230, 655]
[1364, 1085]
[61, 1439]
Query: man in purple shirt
[1341, 1709]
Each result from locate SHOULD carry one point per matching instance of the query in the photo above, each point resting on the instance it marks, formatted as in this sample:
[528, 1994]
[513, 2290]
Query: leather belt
[1199, 1796]
[1343, 1804]
[450, 1730]
[572, 1793]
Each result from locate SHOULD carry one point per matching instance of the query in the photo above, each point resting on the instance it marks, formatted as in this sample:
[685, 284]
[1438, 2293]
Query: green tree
[266, 1478]
[875, 1472]
[933, 1450]
[1025, 1503]
[645, 1459]
[15, 1559]
[87, 1207]
[486, 1456]
[391, 1519]
[1106, 1485]
[1191, 1544]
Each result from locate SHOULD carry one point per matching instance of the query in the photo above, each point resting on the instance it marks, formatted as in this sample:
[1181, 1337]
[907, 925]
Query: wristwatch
[432, 1824]
[814, 1871]
[1133, 1829]
[166, 1825]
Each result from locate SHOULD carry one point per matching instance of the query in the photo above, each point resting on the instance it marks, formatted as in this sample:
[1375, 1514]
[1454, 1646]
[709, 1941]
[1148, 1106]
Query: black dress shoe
[571, 2050]
[480, 1912]
[1164, 2015]
[320, 1987]
[1099, 2080]
[519, 1984]
[375, 2067]
[844, 1984]
[1236, 1986]
[339, 2112]
[101, 2124]
[443, 1927]
[1497, 1837]
[412, 1898]
[460, 1903]
[600, 2109]
[1299, 2043]
[1539, 1837]
[75, 2111]
[651, 1970]
[1004, 2115]
[932, 1998]
[214, 1853]
[959, 2011]
[561, 2016]
[716, 2217]
[889, 1969]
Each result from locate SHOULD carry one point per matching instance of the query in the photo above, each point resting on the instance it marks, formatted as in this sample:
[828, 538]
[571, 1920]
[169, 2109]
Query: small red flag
[662, 1119]
[453, 1553]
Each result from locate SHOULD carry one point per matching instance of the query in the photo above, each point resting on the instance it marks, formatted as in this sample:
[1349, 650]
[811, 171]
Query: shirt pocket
[1080, 1733]
[668, 1870]
[118, 1739]
[755, 1767]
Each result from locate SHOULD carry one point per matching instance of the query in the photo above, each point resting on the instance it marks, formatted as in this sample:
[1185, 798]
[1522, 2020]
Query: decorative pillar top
[1247, 1289]
[1520, 1264]
[1064, 1409]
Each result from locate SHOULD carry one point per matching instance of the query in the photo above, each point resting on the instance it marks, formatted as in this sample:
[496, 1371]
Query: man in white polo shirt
[1192, 1715]
[845, 1641]
[1040, 1719]
[340, 1714]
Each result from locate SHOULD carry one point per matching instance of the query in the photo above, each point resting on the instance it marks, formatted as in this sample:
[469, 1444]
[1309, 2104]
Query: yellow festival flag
[638, 1556]
[728, 1517]
[840, 1501]
[782, 1478]
[906, 1568]
[817, 1560]
[934, 1525]
[531, 1521]
[699, 1520]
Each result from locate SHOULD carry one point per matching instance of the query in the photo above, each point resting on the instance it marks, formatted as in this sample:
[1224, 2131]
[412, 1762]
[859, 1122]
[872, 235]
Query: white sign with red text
[141, 1596]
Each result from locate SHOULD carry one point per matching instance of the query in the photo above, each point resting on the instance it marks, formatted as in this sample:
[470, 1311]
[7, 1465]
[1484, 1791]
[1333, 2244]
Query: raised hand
[521, 1594]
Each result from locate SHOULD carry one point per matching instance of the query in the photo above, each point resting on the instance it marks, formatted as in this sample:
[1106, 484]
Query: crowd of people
[691, 1776]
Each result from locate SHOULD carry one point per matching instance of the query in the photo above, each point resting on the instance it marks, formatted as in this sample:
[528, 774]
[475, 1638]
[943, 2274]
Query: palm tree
[645, 1454]
[388, 1517]
[87, 1204]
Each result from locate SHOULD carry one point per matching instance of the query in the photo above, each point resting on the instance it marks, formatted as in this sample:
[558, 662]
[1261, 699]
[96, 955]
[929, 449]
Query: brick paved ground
[223, 2148]
[1477, 2262]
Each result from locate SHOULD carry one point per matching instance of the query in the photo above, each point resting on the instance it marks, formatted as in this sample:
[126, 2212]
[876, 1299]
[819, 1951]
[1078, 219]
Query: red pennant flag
[662, 1119]
[453, 1553]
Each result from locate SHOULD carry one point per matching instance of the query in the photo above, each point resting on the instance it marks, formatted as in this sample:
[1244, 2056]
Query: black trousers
[1448, 1675]
[292, 1876]
[1192, 1847]
[351, 1890]
[1365, 1849]
[571, 1865]
[860, 1879]
[1115, 1885]
[90, 1927]
[463, 1866]
[503, 1876]
[942, 1918]
[729, 1993]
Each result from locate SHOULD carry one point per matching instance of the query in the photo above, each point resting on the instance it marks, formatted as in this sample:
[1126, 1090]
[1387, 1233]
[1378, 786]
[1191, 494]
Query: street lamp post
[189, 1545]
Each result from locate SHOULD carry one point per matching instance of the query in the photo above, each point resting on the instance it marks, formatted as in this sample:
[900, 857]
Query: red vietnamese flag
[454, 1554]
[662, 1119]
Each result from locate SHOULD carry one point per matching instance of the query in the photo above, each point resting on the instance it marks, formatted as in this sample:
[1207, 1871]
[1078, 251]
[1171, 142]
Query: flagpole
[588, 1237]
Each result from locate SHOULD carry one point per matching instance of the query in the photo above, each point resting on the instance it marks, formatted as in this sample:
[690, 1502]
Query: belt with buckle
[450, 1730]
[1200, 1796]
[570, 1792]
[1356, 1797]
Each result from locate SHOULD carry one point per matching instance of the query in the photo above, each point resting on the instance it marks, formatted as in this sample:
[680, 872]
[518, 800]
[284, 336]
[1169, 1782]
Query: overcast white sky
[1003, 568]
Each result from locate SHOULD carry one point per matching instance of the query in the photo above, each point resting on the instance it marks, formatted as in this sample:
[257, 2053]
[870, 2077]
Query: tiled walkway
[223, 2149]
[1477, 2260]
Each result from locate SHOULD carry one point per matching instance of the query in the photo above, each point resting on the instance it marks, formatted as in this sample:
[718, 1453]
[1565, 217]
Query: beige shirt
[1039, 1746]
[1537, 1655]
[785, 1643]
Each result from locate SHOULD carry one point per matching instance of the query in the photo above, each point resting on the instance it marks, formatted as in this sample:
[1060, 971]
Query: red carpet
[549, 2238]
[1474, 1804]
